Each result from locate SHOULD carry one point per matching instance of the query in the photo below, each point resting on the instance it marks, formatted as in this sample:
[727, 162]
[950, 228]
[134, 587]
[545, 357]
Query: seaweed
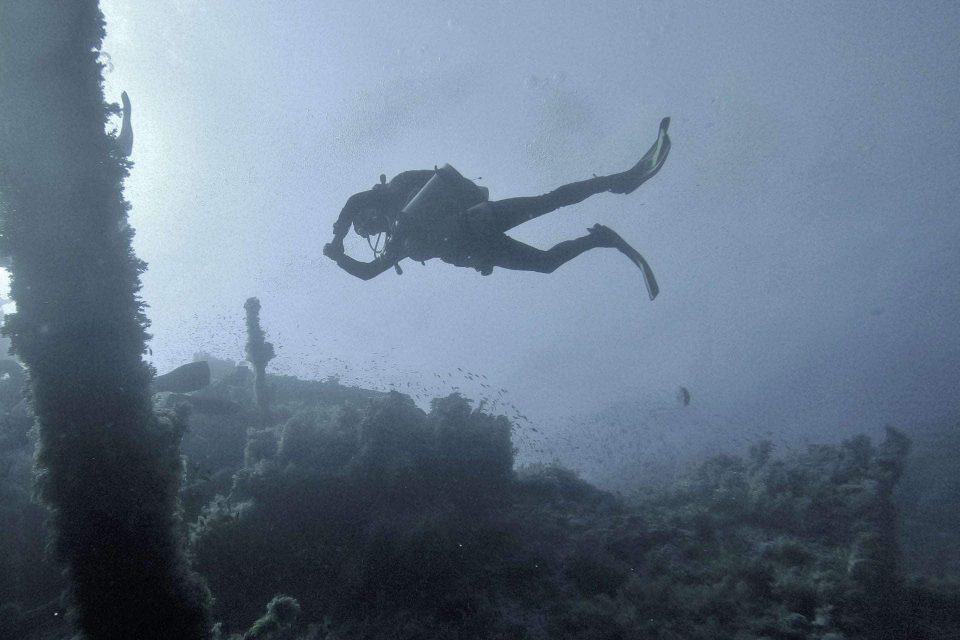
[108, 468]
[383, 520]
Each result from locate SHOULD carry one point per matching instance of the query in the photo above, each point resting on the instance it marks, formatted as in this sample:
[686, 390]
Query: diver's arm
[362, 270]
[341, 227]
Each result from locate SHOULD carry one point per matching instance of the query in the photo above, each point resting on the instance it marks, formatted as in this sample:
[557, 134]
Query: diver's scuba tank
[445, 192]
[424, 223]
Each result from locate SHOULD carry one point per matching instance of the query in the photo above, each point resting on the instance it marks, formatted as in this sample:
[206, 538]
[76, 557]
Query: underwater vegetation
[926, 497]
[356, 514]
[108, 467]
[386, 521]
[259, 353]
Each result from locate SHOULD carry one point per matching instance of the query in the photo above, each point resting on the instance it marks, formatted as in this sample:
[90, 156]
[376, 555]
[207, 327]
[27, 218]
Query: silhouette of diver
[428, 214]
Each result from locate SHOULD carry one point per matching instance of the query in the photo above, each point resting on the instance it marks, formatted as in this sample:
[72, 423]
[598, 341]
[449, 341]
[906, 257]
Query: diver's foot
[606, 237]
[649, 165]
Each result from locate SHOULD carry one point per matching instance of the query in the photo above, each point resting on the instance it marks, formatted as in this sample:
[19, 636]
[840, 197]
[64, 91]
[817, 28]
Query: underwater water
[508, 431]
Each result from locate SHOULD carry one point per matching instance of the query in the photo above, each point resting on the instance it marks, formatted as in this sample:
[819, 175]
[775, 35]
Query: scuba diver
[426, 214]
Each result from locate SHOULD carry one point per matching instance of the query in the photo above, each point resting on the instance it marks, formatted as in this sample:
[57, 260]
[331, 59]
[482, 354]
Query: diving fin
[610, 238]
[648, 166]
[648, 278]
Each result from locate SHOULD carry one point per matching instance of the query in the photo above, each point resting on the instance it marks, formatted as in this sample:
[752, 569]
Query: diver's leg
[513, 254]
[507, 214]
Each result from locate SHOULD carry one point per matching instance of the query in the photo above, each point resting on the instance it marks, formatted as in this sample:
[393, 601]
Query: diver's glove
[333, 250]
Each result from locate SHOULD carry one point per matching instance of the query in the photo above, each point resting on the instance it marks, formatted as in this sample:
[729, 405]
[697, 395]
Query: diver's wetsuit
[475, 236]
